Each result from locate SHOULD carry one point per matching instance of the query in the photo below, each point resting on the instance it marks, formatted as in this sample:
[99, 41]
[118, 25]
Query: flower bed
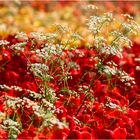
[50, 89]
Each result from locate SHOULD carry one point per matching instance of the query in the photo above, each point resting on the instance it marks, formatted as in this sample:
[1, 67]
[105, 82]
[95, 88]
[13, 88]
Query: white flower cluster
[131, 27]
[34, 94]
[50, 121]
[126, 79]
[38, 36]
[95, 22]
[16, 102]
[111, 63]
[50, 36]
[92, 7]
[12, 102]
[30, 104]
[126, 41]
[21, 36]
[49, 94]
[4, 42]
[77, 121]
[43, 37]
[121, 39]
[113, 70]
[49, 50]
[5, 87]
[58, 110]
[18, 46]
[13, 126]
[10, 122]
[99, 41]
[76, 36]
[39, 70]
[47, 104]
[109, 70]
[112, 105]
[116, 33]
[137, 59]
[110, 50]
[138, 68]
[84, 88]
[74, 65]
[16, 88]
[80, 53]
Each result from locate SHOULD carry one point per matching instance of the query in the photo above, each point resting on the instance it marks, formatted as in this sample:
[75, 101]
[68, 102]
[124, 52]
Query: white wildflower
[137, 59]
[10, 122]
[76, 36]
[138, 68]
[18, 46]
[4, 42]
[39, 69]
[108, 70]
[99, 41]
[38, 36]
[21, 36]
[126, 79]
[95, 23]
[91, 6]
[112, 105]
[110, 50]
[112, 63]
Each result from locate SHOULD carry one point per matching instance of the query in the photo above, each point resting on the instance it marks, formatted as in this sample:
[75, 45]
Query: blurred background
[40, 15]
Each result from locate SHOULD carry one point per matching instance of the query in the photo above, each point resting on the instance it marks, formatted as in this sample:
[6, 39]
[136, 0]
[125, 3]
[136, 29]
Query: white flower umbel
[19, 89]
[50, 120]
[43, 37]
[99, 41]
[49, 50]
[95, 23]
[13, 127]
[4, 42]
[21, 36]
[34, 94]
[137, 59]
[112, 105]
[18, 46]
[38, 36]
[110, 50]
[109, 70]
[126, 79]
[138, 68]
[12, 102]
[40, 70]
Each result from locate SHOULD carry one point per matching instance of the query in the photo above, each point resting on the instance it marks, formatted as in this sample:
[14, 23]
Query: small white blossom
[38, 36]
[126, 79]
[4, 42]
[110, 50]
[21, 36]
[18, 46]
[137, 59]
[138, 68]
[10, 122]
[112, 105]
[96, 22]
[76, 36]
[109, 71]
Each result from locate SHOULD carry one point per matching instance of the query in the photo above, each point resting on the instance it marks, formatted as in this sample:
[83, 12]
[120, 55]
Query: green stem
[82, 103]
